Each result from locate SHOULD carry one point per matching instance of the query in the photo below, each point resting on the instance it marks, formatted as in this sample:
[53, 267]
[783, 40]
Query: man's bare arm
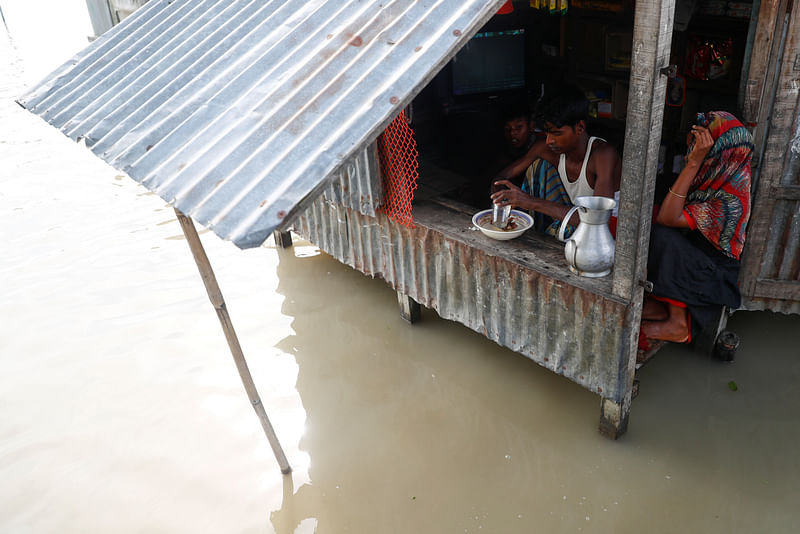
[607, 169]
[537, 150]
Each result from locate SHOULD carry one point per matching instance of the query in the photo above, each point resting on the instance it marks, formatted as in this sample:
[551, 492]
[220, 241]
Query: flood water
[121, 410]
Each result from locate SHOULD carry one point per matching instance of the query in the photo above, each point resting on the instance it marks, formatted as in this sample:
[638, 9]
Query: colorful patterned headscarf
[718, 203]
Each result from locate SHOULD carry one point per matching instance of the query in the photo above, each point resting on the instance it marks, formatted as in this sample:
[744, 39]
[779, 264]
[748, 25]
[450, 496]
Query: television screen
[490, 61]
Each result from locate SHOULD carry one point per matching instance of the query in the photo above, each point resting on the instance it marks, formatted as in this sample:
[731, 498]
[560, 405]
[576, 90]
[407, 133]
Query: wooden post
[409, 308]
[282, 239]
[614, 412]
[614, 416]
[762, 76]
[215, 295]
[652, 37]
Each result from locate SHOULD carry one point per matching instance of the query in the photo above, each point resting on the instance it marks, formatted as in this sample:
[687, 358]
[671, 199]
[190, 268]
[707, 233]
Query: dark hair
[515, 110]
[564, 106]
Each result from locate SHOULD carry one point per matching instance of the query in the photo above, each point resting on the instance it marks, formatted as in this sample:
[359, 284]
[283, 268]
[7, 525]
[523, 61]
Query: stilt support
[614, 416]
[409, 308]
[215, 295]
[282, 239]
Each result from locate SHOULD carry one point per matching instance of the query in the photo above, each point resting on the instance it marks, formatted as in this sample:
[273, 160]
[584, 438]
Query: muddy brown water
[121, 410]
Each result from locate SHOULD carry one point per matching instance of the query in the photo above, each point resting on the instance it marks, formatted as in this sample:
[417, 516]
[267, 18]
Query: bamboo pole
[215, 295]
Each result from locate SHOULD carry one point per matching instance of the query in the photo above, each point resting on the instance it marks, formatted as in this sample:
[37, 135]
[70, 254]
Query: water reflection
[434, 425]
[412, 406]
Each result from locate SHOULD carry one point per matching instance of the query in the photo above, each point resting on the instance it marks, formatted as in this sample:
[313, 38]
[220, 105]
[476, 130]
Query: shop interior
[458, 117]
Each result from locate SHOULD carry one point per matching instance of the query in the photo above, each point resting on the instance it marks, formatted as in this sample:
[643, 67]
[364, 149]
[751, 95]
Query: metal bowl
[522, 220]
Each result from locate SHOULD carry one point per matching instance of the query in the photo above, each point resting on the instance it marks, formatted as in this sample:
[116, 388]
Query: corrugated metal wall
[358, 184]
[569, 330]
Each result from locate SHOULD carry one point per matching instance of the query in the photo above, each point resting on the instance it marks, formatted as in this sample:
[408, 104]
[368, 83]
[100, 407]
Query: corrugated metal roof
[237, 111]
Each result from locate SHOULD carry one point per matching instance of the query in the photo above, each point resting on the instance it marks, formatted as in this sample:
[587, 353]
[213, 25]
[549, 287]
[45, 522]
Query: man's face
[517, 132]
[562, 139]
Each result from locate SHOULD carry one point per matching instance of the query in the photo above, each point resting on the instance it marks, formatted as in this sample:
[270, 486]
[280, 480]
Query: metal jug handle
[565, 223]
[574, 253]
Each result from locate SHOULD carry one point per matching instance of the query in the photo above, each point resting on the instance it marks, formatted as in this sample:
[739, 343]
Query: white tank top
[580, 187]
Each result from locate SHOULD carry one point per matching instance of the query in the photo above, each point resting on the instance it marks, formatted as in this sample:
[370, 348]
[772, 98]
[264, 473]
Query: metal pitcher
[590, 250]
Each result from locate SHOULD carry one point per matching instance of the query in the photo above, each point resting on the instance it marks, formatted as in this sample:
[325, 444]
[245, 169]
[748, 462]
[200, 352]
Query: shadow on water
[433, 428]
[395, 411]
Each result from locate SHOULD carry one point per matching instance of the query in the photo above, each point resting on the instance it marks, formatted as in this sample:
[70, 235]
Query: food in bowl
[518, 222]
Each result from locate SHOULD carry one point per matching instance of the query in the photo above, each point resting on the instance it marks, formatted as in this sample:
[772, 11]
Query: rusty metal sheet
[238, 112]
[568, 329]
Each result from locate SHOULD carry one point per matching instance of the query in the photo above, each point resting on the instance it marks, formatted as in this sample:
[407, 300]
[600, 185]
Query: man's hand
[514, 196]
[510, 196]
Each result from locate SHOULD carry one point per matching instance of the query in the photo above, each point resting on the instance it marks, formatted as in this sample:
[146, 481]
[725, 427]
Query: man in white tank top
[587, 165]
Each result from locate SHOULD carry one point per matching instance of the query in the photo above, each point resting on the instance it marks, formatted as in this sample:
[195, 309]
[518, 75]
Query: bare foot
[661, 330]
[654, 310]
[675, 328]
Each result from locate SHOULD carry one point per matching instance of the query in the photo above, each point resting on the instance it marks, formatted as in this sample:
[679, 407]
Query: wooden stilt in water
[282, 239]
[215, 295]
[409, 308]
[614, 416]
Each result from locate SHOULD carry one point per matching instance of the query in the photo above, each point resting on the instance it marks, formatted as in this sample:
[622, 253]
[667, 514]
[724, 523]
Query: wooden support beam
[409, 308]
[614, 416]
[215, 295]
[777, 289]
[763, 77]
[282, 239]
[652, 38]
[785, 192]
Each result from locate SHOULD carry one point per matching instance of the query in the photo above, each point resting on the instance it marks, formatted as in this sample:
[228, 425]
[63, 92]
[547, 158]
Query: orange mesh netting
[397, 150]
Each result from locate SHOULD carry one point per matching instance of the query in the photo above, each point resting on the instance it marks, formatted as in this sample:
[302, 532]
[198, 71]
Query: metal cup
[500, 215]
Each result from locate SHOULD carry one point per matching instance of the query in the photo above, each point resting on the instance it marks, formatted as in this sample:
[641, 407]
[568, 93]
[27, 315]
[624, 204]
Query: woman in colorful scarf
[699, 232]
